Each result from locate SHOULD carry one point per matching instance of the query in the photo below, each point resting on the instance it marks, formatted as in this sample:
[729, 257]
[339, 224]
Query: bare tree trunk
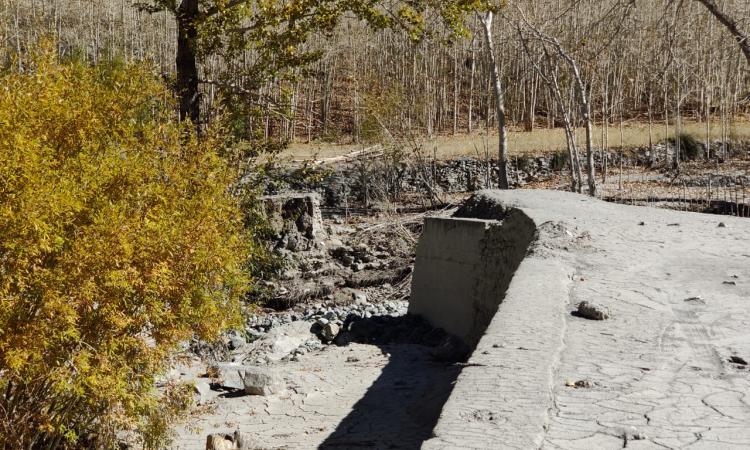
[186, 63]
[499, 102]
[742, 38]
[584, 105]
[456, 91]
[471, 85]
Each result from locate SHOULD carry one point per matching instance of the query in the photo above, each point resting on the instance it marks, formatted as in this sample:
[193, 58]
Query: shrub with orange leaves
[119, 238]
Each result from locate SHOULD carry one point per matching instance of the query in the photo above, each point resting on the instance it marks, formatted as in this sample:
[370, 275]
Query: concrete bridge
[667, 369]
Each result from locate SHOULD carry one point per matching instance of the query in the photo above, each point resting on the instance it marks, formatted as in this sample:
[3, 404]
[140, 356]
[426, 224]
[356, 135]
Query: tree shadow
[401, 408]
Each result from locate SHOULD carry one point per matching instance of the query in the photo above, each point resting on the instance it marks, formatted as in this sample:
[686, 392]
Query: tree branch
[743, 40]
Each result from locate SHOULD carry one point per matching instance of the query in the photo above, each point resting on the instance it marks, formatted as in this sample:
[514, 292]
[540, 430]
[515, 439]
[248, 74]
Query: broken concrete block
[295, 219]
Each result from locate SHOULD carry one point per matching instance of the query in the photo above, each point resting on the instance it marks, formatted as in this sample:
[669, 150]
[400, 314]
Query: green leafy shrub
[120, 238]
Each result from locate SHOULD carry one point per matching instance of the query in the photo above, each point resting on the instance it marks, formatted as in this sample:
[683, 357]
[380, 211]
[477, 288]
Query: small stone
[254, 333]
[335, 243]
[641, 223]
[359, 298]
[722, 225]
[352, 359]
[734, 359]
[322, 322]
[582, 384]
[632, 434]
[591, 311]
[730, 283]
[202, 389]
[226, 441]
[236, 343]
[329, 332]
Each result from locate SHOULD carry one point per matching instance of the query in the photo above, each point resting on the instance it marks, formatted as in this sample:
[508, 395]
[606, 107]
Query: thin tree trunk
[186, 63]
[499, 102]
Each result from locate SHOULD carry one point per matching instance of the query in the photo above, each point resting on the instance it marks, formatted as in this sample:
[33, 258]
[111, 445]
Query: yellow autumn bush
[118, 239]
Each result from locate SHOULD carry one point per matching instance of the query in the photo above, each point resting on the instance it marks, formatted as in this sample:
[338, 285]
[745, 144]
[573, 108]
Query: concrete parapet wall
[502, 397]
[463, 269]
[477, 278]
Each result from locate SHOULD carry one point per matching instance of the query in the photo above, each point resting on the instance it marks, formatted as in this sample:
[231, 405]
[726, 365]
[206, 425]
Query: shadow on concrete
[401, 408]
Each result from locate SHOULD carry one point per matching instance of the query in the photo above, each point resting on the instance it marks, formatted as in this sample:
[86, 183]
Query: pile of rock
[360, 257]
[282, 336]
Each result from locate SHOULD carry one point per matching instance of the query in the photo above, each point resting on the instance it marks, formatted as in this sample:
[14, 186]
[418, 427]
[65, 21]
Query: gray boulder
[229, 375]
[259, 381]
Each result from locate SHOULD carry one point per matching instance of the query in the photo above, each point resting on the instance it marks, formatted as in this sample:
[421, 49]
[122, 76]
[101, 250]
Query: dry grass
[539, 141]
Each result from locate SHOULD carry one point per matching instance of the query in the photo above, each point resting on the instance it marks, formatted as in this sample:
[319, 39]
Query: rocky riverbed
[332, 360]
[366, 375]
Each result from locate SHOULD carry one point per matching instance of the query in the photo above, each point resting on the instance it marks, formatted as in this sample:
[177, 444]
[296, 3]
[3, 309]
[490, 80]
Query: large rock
[252, 380]
[260, 381]
[229, 375]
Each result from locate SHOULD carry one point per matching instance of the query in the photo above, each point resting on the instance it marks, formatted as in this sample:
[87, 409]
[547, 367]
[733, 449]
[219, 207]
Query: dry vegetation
[538, 141]
[652, 61]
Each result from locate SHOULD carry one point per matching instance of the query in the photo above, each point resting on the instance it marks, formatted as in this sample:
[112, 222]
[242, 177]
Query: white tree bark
[586, 116]
[583, 102]
[499, 100]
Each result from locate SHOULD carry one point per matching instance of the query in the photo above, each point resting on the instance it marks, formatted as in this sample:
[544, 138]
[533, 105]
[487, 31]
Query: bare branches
[742, 38]
[582, 96]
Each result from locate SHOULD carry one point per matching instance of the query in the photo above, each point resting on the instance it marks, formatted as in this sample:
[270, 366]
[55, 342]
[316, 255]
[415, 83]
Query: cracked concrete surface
[657, 374]
[359, 396]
